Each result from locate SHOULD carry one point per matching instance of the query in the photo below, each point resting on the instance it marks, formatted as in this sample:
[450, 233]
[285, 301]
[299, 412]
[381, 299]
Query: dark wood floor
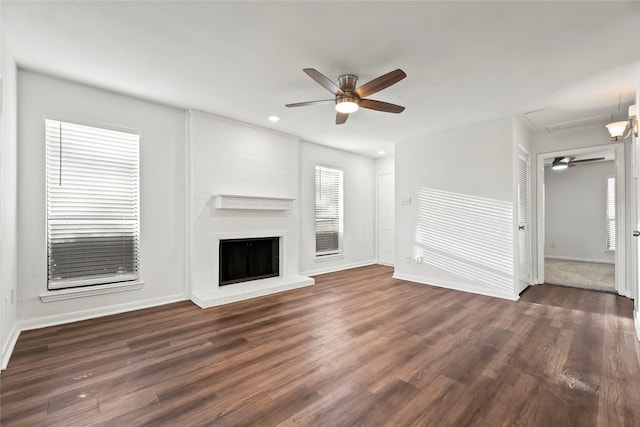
[359, 348]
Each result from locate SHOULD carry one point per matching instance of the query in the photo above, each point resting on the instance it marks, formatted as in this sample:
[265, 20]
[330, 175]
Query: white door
[635, 264]
[386, 219]
[524, 227]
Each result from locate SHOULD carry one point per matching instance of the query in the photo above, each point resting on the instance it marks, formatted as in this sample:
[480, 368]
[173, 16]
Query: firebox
[242, 260]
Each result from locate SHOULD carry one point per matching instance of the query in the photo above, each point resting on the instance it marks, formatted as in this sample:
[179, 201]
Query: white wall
[575, 215]
[232, 158]
[454, 207]
[162, 188]
[8, 202]
[385, 165]
[359, 208]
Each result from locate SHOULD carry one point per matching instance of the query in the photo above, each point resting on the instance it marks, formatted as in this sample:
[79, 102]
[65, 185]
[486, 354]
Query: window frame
[69, 286]
[339, 217]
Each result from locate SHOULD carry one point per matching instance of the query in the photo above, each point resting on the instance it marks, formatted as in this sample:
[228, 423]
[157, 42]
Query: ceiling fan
[348, 98]
[567, 162]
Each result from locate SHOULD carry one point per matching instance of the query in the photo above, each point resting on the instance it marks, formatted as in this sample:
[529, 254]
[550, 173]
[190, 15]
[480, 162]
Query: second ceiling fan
[348, 97]
[568, 161]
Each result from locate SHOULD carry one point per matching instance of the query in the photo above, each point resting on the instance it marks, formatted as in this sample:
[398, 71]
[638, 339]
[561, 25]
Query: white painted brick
[230, 158]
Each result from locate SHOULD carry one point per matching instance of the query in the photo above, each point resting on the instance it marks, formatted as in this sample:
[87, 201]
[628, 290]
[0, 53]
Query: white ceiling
[465, 61]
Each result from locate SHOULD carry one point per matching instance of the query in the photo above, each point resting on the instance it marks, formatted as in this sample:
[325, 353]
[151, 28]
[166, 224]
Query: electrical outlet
[418, 260]
[408, 260]
[553, 246]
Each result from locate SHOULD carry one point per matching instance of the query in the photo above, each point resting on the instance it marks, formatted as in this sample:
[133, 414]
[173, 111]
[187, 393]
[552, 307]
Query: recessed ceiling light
[381, 153]
[274, 119]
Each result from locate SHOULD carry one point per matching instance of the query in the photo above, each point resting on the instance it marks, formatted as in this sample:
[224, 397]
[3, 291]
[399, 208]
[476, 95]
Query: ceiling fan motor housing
[348, 82]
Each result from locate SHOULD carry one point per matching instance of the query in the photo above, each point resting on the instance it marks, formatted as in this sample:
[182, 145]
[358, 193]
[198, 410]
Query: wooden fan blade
[382, 82]
[341, 118]
[324, 81]
[380, 106]
[587, 160]
[304, 104]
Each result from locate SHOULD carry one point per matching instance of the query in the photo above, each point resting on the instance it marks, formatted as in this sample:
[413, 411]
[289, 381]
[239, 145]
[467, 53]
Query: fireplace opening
[242, 260]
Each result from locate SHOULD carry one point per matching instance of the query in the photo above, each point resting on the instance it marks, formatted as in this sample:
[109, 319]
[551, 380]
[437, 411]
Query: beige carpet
[589, 275]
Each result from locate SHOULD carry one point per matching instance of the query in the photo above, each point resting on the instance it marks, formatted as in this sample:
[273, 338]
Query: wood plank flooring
[357, 349]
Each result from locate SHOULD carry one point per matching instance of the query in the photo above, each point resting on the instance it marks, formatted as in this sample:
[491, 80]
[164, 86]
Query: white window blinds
[92, 205]
[329, 200]
[611, 214]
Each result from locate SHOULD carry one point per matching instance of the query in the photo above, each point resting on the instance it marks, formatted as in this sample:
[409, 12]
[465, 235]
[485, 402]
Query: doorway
[386, 219]
[580, 218]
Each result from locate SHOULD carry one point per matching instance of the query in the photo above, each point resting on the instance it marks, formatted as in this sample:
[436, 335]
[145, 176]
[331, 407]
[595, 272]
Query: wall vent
[599, 120]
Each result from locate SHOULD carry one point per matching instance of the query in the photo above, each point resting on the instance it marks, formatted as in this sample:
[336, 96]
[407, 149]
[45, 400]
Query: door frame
[622, 285]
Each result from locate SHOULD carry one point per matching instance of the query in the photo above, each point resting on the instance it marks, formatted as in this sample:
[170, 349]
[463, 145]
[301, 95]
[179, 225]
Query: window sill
[329, 257]
[89, 291]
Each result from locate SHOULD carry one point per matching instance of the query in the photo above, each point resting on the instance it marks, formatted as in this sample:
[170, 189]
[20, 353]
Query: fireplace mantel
[232, 201]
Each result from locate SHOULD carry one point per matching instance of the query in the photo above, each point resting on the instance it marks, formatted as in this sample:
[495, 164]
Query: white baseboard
[60, 319]
[455, 286]
[7, 351]
[338, 268]
[568, 258]
[636, 317]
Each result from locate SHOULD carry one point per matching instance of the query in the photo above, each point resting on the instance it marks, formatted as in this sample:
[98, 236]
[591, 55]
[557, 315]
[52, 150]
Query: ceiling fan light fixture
[560, 163]
[346, 104]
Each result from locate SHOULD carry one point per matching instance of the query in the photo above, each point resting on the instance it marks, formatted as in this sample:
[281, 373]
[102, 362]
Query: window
[611, 214]
[328, 211]
[92, 205]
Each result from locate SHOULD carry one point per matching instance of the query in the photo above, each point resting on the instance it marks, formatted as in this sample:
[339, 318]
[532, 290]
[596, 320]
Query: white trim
[622, 284]
[323, 258]
[7, 351]
[636, 316]
[89, 291]
[235, 201]
[454, 286]
[568, 258]
[60, 319]
[338, 268]
[188, 200]
[82, 121]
